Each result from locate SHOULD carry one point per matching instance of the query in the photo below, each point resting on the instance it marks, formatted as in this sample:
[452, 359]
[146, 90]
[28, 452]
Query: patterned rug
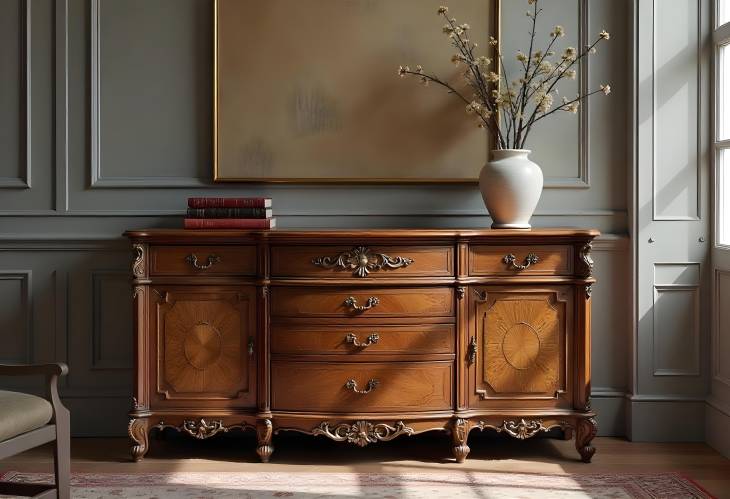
[448, 484]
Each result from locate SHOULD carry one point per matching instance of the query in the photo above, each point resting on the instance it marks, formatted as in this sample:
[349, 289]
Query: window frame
[720, 39]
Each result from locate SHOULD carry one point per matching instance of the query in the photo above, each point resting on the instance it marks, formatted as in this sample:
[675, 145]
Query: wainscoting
[101, 131]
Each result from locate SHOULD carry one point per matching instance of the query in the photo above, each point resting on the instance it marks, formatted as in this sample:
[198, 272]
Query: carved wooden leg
[459, 436]
[138, 431]
[585, 430]
[264, 432]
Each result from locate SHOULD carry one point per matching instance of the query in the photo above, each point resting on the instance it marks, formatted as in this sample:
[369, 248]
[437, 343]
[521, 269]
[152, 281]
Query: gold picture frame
[317, 129]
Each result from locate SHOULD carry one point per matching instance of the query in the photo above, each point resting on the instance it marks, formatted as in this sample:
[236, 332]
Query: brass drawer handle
[193, 260]
[351, 338]
[361, 260]
[352, 386]
[510, 260]
[473, 350]
[371, 303]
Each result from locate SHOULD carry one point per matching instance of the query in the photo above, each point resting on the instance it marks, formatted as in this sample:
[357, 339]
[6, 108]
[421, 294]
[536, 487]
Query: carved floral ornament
[522, 429]
[361, 260]
[362, 433]
[138, 260]
[201, 429]
[585, 261]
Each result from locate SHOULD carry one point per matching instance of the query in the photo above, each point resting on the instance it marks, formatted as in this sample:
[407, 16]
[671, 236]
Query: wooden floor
[415, 454]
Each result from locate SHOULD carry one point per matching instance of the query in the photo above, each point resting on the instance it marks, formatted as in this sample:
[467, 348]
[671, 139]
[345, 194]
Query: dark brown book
[229, 213]
[229, 202]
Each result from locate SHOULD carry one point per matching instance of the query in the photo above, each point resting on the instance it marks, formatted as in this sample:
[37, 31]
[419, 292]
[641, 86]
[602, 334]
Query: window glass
[723, 12]
[723, 93]
[723, 197]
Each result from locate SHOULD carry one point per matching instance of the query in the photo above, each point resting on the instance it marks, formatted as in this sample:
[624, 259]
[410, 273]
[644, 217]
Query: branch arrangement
[509, 109]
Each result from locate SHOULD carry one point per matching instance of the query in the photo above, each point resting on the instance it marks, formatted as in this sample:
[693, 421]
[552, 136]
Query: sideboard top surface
[177, 235]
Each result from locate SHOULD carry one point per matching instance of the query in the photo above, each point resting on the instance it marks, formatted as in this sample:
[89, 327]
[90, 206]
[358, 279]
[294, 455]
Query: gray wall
[105, 125]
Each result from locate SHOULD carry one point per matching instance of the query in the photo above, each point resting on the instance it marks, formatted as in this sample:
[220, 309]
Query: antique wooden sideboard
[363, 336]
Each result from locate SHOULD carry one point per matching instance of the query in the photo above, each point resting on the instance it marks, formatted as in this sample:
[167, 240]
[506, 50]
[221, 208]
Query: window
[723, 200]
[723, 84]
[723, 12]
[721, 38]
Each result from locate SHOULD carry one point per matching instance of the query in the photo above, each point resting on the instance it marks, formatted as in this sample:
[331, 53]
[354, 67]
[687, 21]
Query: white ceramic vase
[511, 186]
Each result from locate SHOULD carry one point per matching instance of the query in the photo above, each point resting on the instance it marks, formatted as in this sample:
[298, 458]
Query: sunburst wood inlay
[203, 347]
[522, 344]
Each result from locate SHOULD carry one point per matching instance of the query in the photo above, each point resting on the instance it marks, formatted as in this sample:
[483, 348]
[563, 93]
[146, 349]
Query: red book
[229, 202]
[230, 223]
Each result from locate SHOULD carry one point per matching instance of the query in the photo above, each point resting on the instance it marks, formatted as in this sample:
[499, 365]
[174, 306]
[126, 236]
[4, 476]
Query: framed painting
[308, 91]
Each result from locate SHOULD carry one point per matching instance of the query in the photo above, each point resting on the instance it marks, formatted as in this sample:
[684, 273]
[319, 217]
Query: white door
[671, 218]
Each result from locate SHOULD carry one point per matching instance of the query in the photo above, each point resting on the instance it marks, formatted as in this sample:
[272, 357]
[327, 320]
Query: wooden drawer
[323, 386]
[495, 260]
[201, 260]
[359, 302]
[363, 340]
[360, 261]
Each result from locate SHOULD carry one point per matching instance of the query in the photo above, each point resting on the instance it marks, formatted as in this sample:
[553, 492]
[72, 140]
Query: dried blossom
[557, 32]
[508, 107]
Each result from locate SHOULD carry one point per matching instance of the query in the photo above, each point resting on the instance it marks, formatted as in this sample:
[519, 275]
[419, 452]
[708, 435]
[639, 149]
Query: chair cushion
[21, 413]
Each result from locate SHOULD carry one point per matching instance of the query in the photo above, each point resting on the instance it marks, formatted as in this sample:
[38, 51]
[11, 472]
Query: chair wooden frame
[58, 430]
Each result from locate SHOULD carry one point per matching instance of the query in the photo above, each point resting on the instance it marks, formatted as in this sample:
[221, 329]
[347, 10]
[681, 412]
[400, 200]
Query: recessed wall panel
[15, 317]
[676, 109]
[152, 66]
[112, 326]
[563, 163]
[722, 340]
[676, 331]
[12, 121]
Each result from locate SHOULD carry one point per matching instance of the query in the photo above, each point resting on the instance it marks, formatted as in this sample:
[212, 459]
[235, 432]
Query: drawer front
[519, 260]
[202, 260]
[361, 261]
[363, 341]
[359, 302]
[334, 387]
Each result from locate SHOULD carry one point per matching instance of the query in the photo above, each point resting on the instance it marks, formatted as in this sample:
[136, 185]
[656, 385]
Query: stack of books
[229, 213]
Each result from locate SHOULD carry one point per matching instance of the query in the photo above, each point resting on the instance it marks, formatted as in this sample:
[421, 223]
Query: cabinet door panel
[203, 338]
[520, 346]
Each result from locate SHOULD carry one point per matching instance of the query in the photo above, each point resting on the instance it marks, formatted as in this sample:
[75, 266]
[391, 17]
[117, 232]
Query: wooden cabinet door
[519, 347]
[204, 346]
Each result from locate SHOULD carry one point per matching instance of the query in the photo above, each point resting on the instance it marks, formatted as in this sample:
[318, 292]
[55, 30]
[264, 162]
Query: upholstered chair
[27, 421]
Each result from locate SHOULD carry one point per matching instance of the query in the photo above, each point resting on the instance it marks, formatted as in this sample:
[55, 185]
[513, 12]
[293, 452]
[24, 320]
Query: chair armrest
[52, 373]
[57, 369]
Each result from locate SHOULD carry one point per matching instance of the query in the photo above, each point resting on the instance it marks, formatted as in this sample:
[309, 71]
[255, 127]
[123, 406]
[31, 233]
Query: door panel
[204, 337]
[519, 351]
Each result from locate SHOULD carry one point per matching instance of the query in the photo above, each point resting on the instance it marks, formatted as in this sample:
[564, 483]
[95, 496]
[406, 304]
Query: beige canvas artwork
[308, 91]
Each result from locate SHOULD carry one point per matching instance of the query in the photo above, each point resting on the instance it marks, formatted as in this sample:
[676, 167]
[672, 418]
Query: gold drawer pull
[510, 260]
[352, 386]
[473, 350]
[361, 260]
[371, 303]
[351, 338]
[193, 260]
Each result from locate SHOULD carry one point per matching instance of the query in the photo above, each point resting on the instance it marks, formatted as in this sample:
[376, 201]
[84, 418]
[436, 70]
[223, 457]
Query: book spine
[228, 202]
[227, 213]
[229, 223]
